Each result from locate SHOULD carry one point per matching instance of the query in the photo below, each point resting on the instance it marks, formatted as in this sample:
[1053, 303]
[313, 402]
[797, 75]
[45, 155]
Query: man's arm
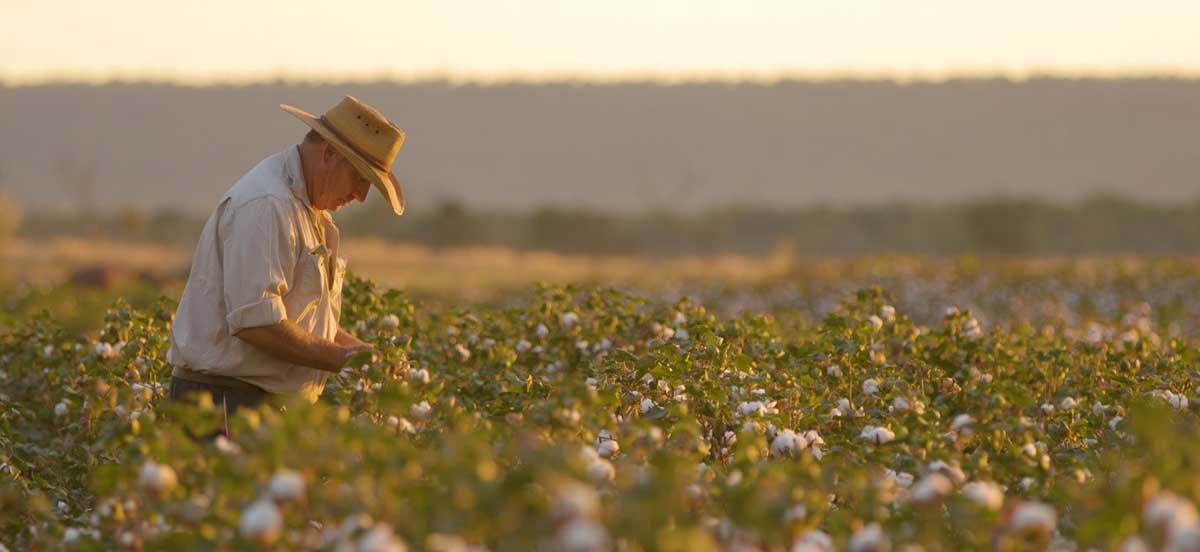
[288, 342]
[344, 338]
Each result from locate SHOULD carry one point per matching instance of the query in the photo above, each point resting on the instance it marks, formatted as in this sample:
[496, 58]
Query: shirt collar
[295, 175]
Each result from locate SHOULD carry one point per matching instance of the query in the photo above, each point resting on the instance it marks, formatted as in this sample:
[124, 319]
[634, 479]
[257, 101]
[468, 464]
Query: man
[260, 311]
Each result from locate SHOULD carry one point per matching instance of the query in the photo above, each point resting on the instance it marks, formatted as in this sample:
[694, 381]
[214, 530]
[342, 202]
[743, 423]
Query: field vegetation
[889, 404]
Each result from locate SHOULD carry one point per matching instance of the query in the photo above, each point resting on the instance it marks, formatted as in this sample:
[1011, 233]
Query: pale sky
[246, 39]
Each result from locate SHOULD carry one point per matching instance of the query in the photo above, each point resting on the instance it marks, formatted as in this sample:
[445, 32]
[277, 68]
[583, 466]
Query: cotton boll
[787, 443]
[569, 319]
[986, 494]
[961, 422]
[157, 478]
[1068, 403]
[813, 540]
[381, 539]
[876, 322]
[61, 409]
[931, 488]
[574, 499]
[541, 330]
[261, 521]
[601, 471]
[888, 312]
[833, 371]
[870, 387]
[390, 321]
[286, 485]
[421, 409]
[608, 448]
[1134, 543]
[646, 406]
[1033, 518]
[1166, 510]
[877, 435]
[900, 404]
[582, 535]
[869, 539]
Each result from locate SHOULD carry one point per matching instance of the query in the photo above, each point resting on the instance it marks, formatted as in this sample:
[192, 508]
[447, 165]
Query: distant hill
[628, 146]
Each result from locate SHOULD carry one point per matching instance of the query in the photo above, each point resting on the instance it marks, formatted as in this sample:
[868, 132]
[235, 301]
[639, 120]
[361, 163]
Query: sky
[238, 40]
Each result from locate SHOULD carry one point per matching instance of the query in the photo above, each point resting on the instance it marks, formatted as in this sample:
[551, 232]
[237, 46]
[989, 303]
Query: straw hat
[366, 138]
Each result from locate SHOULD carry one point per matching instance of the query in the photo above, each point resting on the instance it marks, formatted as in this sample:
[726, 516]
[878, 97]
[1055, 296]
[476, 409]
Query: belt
[184, 373]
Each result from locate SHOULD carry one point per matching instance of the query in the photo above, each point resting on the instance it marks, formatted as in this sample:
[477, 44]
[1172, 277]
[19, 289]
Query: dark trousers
[225, 399]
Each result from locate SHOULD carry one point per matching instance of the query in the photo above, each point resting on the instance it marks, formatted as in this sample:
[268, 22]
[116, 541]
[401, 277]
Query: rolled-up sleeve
[258, 250]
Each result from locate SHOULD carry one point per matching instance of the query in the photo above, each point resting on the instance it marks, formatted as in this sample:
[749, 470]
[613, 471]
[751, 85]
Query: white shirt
[260, 259]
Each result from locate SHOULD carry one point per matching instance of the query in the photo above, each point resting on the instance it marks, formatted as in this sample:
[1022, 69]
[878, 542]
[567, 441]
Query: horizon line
[293, 78]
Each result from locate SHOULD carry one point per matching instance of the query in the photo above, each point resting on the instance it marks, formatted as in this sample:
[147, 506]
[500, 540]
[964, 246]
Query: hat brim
[385, 181]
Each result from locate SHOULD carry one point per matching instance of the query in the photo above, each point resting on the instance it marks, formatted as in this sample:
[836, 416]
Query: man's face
[339, 183]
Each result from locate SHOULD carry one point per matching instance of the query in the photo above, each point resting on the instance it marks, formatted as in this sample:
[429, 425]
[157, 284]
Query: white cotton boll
[888, 312]
[813, 438]
[877, 435]
[843, 406]
[900, 404]
[574, 499]
[608, 448]
[869, 539]
[1185, 538]
[582, 535]
[71, 536]
[420, 375]
[681, 334]
[953, 471]
[261, 521]
[1112, 424]
[903, 480]
[787, 443]
[1166, 510]
[1047, 408]
[523, 346]
[286, 485]
[381, 539]
[541, 330]
[226, 446]
[157, 478]
[421, 410]
[463, 352]
[870, 387]
[569, 319]
[390, 321]
[961, 422]
[986, 494]
[1178, 401]
[1068, 403]
[876, 322]
[833, 371]
[1033, 517]
[1030, 450]
[646, 406]
[601, 471]
[61, 409]
[1134, 543]
[813, 540]
[931, 488]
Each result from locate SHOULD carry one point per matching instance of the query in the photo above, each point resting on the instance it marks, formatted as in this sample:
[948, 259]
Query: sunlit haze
[228, 40]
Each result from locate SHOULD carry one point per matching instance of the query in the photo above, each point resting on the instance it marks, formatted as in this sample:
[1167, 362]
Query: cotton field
[579, 419]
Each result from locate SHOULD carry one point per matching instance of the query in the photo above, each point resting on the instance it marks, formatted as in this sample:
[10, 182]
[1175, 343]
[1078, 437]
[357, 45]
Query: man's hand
[290, 343]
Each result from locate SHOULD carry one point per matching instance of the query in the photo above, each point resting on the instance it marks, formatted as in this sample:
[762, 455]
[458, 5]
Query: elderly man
[260, 311]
